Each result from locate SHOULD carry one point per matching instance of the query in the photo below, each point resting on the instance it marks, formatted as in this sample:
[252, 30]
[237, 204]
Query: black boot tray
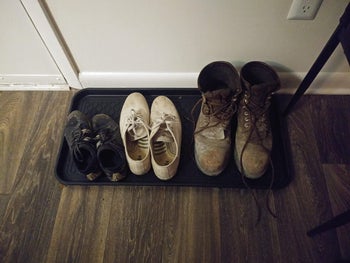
[110, 102]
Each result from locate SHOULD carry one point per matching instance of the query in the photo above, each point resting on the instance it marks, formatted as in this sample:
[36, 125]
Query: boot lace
[214, 109]
[256, 122]
[255, 117]
[79, 137]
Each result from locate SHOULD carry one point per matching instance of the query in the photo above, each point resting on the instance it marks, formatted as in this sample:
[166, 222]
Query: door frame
[45, 25]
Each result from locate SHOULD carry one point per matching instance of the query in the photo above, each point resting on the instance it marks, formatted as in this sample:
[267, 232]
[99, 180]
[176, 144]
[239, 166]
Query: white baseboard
[32, 82]
[325, 83]
[138, 79]
[33, 87]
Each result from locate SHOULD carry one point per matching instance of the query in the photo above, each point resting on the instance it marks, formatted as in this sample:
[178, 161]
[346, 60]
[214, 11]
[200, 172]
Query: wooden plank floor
[43, 221]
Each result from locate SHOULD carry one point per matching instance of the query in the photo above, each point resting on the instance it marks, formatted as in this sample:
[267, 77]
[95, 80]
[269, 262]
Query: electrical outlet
[304, 9]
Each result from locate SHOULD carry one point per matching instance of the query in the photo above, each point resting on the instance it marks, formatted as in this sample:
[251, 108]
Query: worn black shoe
[79, 136]
[110, 150]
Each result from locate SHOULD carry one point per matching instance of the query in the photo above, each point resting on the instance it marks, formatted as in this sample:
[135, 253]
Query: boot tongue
[218, 94]
[264, 88]
[216, 133]
[259, 93]
[216, 99]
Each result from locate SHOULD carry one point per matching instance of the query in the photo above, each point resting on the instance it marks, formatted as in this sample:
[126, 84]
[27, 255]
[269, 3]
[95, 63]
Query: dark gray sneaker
[110, 149]
[79, 136]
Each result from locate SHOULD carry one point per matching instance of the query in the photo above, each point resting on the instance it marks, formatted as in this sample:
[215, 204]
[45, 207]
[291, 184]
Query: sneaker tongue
[137, 133]
[163, 135]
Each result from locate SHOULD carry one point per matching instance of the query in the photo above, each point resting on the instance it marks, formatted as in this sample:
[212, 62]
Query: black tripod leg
[344, 35]
[339, 220]
[315, 69]
[340, 33]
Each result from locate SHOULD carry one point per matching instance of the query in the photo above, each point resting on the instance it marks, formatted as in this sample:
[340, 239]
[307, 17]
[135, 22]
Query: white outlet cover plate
[304, 9]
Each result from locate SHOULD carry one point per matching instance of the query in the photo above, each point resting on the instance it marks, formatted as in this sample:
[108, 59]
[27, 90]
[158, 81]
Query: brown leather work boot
[253, 134]
[219, 84]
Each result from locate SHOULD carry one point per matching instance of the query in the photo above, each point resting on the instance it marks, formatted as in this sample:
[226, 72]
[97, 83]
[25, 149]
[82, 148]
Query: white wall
[184, 35]
[115, 43]
[24, 58]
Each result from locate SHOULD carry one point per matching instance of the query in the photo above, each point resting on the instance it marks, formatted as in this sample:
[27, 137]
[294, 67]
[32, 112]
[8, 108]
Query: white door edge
[39, 14]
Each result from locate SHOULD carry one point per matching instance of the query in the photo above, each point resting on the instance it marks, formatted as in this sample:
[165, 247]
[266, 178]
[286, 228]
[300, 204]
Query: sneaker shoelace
[164, 133]
[255, 115]
[164, 123]
[135, 126]
[103, 136]
[80, 137]
[135, 123]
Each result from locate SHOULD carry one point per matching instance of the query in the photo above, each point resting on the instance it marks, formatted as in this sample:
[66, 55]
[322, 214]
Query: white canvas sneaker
[165, 138]
[134, 129]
